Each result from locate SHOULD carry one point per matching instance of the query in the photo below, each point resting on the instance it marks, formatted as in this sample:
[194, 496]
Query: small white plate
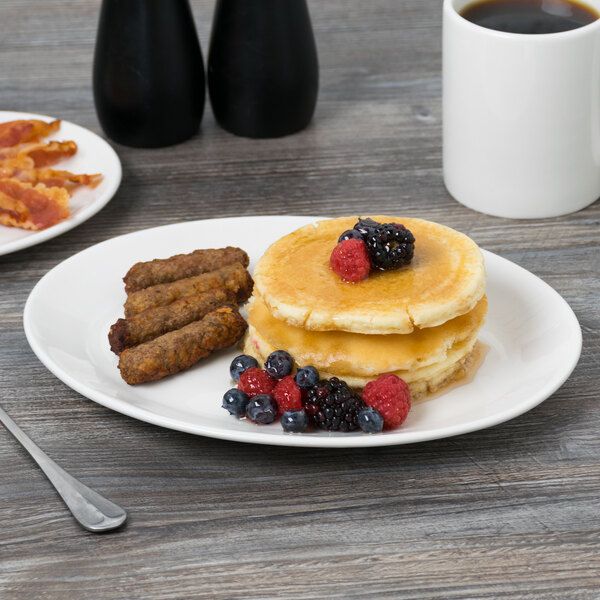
[533, 335]
[94, 155]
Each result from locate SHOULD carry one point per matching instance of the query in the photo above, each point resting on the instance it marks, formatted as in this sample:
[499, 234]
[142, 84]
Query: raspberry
[390, 246]
[287, 394]
[255, 381]
[391, 397]
[350, 260]
[334, 406]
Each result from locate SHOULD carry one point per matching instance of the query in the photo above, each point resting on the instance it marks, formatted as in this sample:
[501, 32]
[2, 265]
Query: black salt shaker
[263, 71]
[148, 74]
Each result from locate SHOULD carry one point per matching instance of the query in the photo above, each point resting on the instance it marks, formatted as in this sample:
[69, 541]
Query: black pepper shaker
[148, 74]
[263, 71]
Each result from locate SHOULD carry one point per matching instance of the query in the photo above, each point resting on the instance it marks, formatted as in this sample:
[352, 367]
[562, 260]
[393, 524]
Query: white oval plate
[94, 155]
[69, 312]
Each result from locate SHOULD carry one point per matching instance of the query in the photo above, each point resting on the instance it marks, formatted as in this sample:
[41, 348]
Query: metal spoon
[93, 511]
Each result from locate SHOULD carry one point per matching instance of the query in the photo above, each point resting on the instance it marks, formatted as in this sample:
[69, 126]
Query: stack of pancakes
[419, 322]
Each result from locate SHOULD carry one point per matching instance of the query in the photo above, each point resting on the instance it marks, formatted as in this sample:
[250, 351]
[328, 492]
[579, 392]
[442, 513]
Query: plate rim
[87, 212]
[320, 439]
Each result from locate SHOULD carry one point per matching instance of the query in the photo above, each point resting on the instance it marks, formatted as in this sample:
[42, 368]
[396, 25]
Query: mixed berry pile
[371, 246]
[302, 399]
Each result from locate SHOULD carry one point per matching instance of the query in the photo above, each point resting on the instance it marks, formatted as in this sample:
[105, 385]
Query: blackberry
[390, 246]
[333, 405]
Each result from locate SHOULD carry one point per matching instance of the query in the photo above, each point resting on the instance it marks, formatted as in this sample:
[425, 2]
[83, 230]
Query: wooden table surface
[506, 512]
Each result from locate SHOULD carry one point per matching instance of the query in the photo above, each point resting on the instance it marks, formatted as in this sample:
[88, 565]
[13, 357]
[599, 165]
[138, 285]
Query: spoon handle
[94, 512]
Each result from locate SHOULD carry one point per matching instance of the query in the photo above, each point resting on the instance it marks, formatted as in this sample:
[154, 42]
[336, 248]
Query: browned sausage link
[152, 322]
[179, 350]
[245, 290]
[165, 270]
[233, 277]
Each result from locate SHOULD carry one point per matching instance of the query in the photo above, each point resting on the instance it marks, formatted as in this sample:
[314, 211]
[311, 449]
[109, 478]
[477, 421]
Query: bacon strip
[50, 177]
[10, 166]
[66, 179]
[33, 195]
[42, 154]
[46, 154]
[11, 153]
[25, 130]
[28, 207]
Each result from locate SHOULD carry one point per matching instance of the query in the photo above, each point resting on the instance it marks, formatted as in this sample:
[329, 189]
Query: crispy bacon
[33, 195]
[43, 154]
[31, 207]
[13, 133]
[46, 154]
[66, 179]
[8, 153]
[22, 169]
[10, 166]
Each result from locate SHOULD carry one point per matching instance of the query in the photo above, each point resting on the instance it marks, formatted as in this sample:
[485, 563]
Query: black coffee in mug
[530, 16]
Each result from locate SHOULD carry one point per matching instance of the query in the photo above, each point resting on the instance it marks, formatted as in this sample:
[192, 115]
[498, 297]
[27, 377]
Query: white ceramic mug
[521, 117]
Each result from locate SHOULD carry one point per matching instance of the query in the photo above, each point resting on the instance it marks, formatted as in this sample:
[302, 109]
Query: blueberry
[370, 420]
[279, 364]
[262, 409]
[350, 234]
[365, 226]
[239, 364]
[235, 401]
[307, 377]
[294, 421]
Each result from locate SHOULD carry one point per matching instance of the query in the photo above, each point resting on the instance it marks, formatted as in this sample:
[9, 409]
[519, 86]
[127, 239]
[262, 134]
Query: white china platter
[533, 336]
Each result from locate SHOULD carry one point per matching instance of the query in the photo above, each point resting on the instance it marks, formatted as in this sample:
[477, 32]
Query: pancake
[421, 381]
[446, 279]
[364, 355]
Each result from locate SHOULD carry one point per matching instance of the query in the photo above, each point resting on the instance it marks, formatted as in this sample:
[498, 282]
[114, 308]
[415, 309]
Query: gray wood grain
[508, 512]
